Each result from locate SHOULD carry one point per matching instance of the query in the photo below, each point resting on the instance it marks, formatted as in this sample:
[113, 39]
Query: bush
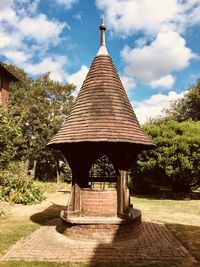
[176, 157]
[19, 190]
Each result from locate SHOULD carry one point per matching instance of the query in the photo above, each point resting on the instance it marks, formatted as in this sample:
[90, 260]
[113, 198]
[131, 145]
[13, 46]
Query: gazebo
[101, 126]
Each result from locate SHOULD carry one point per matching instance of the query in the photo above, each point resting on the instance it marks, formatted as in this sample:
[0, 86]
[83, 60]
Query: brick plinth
[103, 229]
[104, 232]
[98, 202]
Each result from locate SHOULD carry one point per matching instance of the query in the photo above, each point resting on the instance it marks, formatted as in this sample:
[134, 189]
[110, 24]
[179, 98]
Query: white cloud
[190, 14]
[12, 10]
[17, 57]
[26, 34]
[153, 106]
[4, 4]
[33, 6]
[53, 65]
[140, 42]
[78, 16]
[128, 82]
[167, 53]
[22, 28]
[127, 17]
[77, 78]
[165, 82]
[162, 24]
[67, 3]
[41, 29]
[7, 13]
[5, 40]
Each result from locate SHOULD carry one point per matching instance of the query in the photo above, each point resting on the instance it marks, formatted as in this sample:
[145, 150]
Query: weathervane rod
[102, 28]
[102, 49]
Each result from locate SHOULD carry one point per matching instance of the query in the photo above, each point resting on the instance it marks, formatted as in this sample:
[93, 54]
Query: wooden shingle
[102, 111]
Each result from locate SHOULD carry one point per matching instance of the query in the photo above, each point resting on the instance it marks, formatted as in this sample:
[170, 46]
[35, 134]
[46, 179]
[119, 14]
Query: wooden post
[77, 198]
[119, 194]
[122, 192]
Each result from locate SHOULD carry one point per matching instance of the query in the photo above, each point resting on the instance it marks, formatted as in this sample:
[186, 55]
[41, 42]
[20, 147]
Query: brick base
[112, 229]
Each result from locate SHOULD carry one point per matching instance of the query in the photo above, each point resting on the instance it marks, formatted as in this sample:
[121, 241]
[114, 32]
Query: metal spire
[102, 49]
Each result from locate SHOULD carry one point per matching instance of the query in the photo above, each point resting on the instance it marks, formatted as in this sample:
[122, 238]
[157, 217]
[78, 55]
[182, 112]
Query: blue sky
[154, 44]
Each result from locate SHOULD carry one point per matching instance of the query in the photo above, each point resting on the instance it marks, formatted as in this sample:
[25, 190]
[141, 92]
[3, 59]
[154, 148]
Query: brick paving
[156, 243]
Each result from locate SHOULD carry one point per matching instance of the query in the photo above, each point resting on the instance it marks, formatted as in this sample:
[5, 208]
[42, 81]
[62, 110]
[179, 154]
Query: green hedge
[175, 159]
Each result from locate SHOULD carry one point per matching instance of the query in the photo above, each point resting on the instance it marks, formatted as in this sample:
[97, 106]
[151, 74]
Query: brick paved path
[156, 244]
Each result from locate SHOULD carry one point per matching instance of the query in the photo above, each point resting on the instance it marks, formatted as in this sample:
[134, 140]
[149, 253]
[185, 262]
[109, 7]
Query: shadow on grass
[189, 236]
[51, 212]
[50, 216]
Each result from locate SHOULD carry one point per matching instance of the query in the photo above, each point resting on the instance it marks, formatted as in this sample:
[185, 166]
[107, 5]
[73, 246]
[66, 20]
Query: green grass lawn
[185, 212]
[12, 230]
[181, 217]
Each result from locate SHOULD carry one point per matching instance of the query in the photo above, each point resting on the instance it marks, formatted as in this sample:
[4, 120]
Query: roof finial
[102, 49]
[102, 28]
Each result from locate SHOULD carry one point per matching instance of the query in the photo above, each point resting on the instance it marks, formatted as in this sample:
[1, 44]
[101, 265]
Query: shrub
[19, 190]
[176, 157]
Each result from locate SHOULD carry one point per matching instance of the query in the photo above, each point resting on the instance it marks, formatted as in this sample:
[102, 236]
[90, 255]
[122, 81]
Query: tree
[10, 140]
[176, 156]
[40, 107]
[187, 107]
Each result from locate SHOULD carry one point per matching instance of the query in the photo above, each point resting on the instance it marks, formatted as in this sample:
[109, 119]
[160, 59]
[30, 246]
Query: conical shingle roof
[102, 111]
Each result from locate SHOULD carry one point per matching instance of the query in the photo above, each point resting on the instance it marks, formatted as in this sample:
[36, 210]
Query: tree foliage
[102, 167]
[176, 157]
[187, 107]
[10, 140]
[39, 106]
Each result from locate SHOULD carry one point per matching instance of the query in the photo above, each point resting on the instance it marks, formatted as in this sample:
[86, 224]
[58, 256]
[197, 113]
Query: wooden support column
[122, 192]
[80, 168]
[77, 198]
[74, 202]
